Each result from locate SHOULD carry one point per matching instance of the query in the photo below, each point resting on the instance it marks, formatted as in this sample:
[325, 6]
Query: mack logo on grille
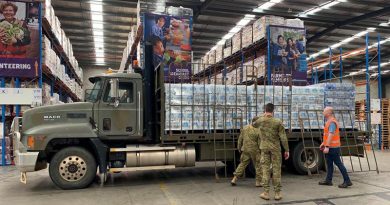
[51, 117]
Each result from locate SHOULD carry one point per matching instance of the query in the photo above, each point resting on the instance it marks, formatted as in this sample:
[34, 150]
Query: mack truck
[121, 127]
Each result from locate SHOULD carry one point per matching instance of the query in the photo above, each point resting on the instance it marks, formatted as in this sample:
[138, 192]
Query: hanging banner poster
[171, 38]
[288, 55]
[19, 39]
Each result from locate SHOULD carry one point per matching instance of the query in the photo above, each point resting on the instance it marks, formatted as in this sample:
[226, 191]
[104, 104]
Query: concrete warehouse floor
[196, 186]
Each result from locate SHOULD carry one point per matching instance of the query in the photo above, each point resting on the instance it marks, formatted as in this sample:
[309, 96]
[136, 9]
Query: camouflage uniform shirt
[272, 133]
[249, 139]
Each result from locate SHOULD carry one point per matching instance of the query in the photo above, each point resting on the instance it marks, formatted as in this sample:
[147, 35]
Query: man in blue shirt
[331, 147]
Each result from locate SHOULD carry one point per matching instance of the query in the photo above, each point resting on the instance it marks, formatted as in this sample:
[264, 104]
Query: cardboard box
[211, 57]
[247, 36]
[219, 53]
[260, 64]
[260, 26]
[236, 42]
[227, 52]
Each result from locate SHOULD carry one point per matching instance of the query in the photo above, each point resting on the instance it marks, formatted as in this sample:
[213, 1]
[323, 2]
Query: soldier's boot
[234, 181]
[258, 184]
[278, 195]
[264, 195]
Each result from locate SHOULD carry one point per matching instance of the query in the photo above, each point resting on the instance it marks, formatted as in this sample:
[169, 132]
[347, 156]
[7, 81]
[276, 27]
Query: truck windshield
[91, 95]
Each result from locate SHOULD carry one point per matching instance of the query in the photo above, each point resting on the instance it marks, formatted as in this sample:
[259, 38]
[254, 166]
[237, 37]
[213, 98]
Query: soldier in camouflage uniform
[272, 133]
[249, 147]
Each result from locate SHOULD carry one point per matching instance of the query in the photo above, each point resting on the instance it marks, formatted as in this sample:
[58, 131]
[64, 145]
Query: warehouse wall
[88, 72]
[362, 89]
[386, 88]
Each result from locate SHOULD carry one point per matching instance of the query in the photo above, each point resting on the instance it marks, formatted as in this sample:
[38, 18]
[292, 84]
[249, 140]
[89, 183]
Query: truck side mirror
[114, 91]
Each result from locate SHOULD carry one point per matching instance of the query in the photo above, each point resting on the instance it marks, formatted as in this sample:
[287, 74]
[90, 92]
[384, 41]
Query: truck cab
[117, 106]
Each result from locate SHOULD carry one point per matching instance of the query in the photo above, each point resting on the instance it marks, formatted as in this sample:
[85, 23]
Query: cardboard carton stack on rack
[211, 106]
[248, 36]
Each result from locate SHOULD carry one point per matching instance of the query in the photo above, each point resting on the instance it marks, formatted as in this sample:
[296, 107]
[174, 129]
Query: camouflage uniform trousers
[244, 161]
[269, 157]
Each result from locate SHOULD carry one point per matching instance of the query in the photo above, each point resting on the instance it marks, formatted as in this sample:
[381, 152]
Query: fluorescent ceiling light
[99, 55]
[221, 42]
[235, 30]
[333, 3]
[321, 7]
[99, 45]
[251, 16]
[360, 34]
[96, 17]
[324, 50]
[97, 25]
[266, 5]
[97, 33]
[97, 29]
[100, 60]
[335, 45]
[313, 11]
[243, 22]
[96, 8]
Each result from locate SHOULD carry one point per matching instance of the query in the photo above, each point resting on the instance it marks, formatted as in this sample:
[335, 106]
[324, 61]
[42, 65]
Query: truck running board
[132, 169]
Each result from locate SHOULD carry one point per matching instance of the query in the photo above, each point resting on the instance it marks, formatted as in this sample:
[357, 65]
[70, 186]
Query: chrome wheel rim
[72, 168]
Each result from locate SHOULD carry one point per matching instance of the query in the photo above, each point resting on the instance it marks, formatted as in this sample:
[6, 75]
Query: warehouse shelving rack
[362, 120]
[44, 75]
[328, 74]
[57, 84]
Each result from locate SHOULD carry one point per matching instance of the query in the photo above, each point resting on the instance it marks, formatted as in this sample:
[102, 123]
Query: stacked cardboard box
[236, 42]
[55, 24]
[247, 37]
[260, 65]
[227, 51]
[204, 107]
[219, 53]
[205, 62]
[211, 57]
[341, 96]
[260, 26]
[248, 70]
[300, 108]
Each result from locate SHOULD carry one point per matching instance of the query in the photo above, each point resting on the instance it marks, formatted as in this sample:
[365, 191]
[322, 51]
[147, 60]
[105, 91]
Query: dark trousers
[334, 157]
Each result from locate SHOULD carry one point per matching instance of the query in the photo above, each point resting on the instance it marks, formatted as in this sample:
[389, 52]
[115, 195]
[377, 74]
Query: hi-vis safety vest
[335, 142]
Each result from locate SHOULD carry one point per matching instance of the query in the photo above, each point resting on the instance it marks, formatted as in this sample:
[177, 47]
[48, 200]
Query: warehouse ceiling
[326, 25]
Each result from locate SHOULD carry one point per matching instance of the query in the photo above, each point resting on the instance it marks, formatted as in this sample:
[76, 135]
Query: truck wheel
[73, 168]
[313, 161]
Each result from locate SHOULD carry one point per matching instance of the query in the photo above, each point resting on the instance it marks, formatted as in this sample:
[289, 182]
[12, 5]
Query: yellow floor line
[168, 195]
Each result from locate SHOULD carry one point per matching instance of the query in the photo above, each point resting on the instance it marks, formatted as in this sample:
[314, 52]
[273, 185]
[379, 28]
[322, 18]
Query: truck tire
[73, 168]
[316, 160]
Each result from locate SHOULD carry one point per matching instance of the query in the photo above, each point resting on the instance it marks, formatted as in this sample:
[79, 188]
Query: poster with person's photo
[19, 39]
[171, 38]
[288, 55]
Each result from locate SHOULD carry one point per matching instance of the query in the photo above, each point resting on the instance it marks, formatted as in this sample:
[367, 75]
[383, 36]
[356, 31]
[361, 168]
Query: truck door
[121, 121]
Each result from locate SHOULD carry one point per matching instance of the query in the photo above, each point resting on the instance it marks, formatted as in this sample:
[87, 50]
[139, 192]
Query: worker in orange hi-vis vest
[331, 148]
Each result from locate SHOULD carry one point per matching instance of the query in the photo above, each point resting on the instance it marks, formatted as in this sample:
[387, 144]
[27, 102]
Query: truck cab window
[92, 94]
[126, 93]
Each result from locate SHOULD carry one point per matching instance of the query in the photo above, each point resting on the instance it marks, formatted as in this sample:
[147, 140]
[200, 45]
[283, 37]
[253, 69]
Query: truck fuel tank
[143, 155]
